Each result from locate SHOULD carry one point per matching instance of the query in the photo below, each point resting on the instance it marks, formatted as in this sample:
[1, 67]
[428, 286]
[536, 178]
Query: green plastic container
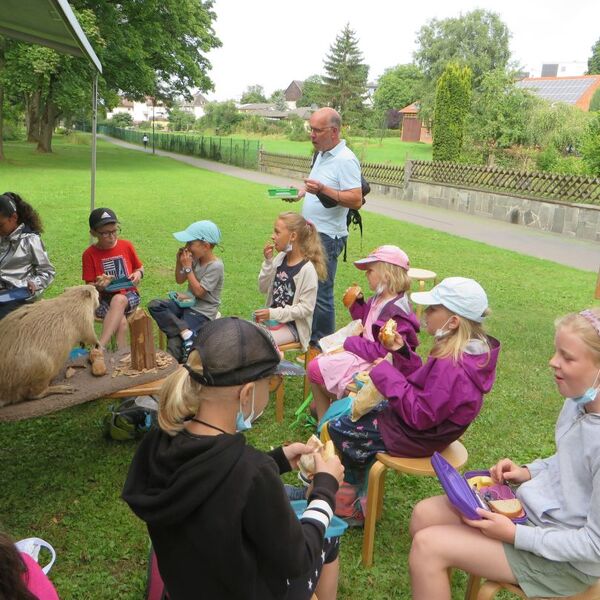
[290, 192]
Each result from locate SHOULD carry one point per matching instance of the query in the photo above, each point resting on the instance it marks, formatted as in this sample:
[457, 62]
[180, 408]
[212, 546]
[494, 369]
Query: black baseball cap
[102, 216]
[234, 351]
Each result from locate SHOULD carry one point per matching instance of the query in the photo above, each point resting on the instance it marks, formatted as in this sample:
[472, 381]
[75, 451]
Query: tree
[594, 60]
[153, 48]
[595, 101]
[398, 87]
[452, 103]
[590, 147]
[312, 92]
[121, 119]
[253, 95]
[345, 82]
[478, 40]
[499, 114]
[221, 116]
[278, 98]
[181, 120]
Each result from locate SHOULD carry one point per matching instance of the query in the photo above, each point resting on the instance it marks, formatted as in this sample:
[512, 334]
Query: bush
[13, 132]
[296, 131]
[122, 120]
[590, 146]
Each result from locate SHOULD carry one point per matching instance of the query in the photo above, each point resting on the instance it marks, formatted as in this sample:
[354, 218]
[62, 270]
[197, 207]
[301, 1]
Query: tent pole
[94, 128]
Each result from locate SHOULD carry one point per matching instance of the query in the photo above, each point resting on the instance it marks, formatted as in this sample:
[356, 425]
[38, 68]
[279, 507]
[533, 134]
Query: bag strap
[32, 546]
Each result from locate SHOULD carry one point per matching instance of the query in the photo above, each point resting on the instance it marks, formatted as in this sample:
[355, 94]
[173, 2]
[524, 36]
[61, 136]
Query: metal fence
[241, 153]
[525, 184]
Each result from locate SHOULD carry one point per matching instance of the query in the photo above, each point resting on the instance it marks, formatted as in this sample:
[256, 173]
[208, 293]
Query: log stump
[143, 352]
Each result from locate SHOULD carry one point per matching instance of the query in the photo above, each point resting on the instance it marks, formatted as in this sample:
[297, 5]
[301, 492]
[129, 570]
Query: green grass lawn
[60, 480]
[388, 150]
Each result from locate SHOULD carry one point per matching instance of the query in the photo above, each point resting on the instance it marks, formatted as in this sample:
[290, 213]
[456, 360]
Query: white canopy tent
[52, 23]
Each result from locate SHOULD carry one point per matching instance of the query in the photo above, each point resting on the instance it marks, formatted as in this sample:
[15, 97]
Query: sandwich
[351, 295]
[509, 508]
[387, 334]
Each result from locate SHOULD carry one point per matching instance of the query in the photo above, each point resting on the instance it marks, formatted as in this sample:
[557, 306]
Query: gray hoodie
[563, 496]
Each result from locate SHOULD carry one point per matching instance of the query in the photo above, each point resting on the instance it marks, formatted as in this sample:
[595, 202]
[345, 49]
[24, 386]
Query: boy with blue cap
[197, 265]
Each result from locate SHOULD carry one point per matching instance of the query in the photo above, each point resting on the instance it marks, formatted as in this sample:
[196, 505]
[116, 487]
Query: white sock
[186, 334]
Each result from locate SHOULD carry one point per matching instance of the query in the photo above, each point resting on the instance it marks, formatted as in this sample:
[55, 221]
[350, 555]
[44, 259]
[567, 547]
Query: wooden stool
[280, 389]
[489, 589]
[422, 275]
[456, 454]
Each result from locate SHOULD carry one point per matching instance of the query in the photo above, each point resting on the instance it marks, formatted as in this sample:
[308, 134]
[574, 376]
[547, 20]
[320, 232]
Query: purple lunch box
[462, 497]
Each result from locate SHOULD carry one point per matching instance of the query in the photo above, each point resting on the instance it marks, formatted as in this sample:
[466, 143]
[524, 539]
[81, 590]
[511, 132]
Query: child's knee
[314, 372]
[120, 301]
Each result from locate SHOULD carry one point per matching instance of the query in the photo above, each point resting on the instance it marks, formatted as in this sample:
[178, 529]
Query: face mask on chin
[241, 423]
[589, 395]
[441, 332]
[288, 248]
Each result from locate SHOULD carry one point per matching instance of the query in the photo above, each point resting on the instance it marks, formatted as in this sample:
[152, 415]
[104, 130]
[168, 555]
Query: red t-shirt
[120, 261]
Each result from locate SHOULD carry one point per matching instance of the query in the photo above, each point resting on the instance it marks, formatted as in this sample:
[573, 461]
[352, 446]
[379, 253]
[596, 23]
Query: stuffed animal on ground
[35, 342]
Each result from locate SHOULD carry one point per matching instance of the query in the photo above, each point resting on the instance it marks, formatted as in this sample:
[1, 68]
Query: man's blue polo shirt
[339, 169]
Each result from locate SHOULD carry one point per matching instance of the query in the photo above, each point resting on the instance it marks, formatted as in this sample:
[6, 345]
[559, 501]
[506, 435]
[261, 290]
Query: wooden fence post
[143, 354]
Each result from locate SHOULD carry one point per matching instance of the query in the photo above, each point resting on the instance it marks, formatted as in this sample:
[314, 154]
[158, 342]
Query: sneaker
[97, 361]
[295, 492]
[312, 352]
[186, 348]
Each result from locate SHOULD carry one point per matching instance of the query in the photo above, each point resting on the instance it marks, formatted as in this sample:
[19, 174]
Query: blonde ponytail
[179, 398]
[309, 239]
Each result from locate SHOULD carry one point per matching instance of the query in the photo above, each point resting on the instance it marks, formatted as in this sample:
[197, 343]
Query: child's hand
[294, 451]
[507, 470]
[102, 281]
[395, 345]
[136, 277]
[333, 466]
[186, 259]
[268, 250]
[493, 525]
[262, 314]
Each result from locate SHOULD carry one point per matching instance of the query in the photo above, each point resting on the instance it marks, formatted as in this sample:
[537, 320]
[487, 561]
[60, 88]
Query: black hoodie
[219, 518]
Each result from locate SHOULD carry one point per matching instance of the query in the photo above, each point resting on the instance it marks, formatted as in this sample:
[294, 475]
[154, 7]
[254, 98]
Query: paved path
[581, 254]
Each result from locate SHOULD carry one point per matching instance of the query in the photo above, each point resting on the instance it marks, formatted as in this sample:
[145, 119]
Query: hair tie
[309, 223]
[592, 319]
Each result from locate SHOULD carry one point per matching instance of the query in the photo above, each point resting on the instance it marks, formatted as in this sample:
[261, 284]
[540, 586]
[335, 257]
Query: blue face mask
[589, 395]
[241, 423]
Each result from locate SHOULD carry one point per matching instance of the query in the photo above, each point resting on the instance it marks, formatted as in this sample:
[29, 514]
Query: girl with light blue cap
[181, 317]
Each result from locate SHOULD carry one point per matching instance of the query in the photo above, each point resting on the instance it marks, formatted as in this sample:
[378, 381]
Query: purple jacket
[399, 309]
[434, 405]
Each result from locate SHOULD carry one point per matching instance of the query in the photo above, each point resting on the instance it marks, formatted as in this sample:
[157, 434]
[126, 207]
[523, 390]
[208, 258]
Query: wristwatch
[186, 270]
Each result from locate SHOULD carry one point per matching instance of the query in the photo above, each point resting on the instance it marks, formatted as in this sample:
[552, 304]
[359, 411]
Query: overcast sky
[270, 43]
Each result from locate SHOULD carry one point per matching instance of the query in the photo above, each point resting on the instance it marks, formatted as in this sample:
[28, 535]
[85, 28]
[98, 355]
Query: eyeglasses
[320, 129]
[107, 234]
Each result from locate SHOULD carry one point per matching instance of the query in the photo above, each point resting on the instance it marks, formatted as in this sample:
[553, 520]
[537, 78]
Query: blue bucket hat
[462, 296]
[205, 231]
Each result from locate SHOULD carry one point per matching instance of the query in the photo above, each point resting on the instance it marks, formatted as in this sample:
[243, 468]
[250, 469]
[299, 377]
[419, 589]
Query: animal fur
[35, 341]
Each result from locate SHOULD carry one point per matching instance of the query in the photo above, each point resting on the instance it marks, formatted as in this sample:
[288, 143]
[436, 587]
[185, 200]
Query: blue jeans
[324, 317]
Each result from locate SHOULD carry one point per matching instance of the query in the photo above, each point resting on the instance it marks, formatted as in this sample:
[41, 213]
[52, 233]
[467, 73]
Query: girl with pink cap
[386, 269]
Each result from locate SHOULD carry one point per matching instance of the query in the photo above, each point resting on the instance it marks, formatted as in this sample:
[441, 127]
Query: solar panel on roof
[557, 90]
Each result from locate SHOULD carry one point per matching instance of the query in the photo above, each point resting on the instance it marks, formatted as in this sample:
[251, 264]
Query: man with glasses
[336, 175]
[111, 258]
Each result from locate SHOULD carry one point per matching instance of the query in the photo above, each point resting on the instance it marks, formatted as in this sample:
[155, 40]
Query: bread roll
[387, 334]
[306, 464]
[351, 295]
[509, 508]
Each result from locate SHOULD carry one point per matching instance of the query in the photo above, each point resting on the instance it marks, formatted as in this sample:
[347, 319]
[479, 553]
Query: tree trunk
[32, 116]
[47, 122]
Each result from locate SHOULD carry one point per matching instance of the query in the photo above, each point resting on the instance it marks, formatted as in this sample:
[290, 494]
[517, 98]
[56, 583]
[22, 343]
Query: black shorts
[304, 587]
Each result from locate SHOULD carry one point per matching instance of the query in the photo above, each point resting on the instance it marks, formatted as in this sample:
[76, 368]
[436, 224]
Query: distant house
[576, 90]
[269, 111]
[140, 111]
[195, 106]
[413, 129]
[293, 93]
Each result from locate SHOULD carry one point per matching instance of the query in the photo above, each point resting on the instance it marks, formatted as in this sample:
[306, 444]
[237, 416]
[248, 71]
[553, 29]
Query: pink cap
[387, 254]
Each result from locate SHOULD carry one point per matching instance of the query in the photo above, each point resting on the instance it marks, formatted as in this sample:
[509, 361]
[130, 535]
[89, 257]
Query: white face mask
[288, 248]
[380, 289]
[441, 332]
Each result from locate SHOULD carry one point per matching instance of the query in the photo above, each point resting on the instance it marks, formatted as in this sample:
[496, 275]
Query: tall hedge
[452, 104]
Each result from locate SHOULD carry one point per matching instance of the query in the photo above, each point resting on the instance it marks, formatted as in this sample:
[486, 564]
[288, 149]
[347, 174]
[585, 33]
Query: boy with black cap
[111, 258]
[196, 265]
[216, 510]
